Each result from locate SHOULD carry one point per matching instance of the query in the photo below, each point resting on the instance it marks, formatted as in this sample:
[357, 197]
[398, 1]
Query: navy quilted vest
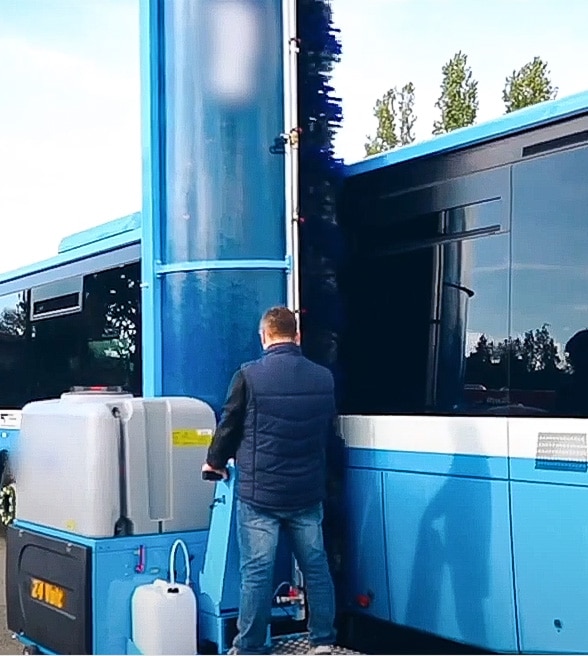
[290, 412]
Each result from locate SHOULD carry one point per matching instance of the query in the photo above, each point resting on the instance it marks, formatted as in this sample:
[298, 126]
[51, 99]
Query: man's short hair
[279, 322]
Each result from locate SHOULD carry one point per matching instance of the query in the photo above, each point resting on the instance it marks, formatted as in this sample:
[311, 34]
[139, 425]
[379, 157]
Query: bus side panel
[550, 532]
[366, 548]
[449, 555]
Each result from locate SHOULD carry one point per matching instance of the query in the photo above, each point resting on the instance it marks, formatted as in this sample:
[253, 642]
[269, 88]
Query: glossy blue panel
[210, 323]
[125, 224]
[449, 558]
[365, 543]
[431, 463]
[219, 577]
[115, 579]
[550, 535]
[94, 257]
[224, 190]
[152, 126]
[560, 472]
[9, 439]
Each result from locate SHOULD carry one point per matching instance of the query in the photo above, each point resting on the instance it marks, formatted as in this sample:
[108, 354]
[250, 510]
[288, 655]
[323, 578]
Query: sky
[70, 151]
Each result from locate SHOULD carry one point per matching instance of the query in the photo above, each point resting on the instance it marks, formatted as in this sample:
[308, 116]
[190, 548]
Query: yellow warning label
[70, 525]
[192, 437]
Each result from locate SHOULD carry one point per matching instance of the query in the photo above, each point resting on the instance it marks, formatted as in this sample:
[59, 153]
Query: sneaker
[322, 649]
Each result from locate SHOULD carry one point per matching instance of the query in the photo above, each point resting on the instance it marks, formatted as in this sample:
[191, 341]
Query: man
[276, 422]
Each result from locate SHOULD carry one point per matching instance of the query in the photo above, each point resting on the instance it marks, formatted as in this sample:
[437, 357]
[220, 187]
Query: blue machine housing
[116, 566]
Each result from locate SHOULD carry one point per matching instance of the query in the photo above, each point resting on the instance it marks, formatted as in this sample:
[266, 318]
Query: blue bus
[460, 364]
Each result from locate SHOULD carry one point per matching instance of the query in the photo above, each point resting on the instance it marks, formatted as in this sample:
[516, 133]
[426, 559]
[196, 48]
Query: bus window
[99, 345]
[112, 314]
[14, 369]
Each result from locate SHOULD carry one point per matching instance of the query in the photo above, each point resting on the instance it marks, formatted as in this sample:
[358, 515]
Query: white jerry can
[163, 613]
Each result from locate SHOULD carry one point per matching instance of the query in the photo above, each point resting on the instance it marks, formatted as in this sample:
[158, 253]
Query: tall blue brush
[320, 241]
[321, 246]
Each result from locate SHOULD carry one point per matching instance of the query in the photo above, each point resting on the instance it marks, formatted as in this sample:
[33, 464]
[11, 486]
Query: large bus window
[474, 329]
[100, 345]
[14, 365]
[550, 282]
[57, 353]
[425, 296]
[112, 314]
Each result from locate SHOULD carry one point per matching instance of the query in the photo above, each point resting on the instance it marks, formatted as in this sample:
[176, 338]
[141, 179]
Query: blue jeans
[258, 533]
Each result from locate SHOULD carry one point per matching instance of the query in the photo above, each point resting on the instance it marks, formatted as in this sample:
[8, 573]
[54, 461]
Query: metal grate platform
[298, 644]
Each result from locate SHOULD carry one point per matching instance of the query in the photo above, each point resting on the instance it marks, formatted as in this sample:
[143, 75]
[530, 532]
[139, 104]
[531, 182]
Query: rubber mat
[298, 644]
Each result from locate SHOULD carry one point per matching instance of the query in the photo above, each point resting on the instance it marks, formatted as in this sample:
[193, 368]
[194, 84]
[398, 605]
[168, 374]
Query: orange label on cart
[50, 594]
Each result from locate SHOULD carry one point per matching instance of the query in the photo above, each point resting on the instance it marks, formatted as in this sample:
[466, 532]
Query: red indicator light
[363, 601]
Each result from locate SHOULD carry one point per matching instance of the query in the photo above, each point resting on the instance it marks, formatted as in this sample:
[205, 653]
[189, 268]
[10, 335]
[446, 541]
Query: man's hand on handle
[208, 473]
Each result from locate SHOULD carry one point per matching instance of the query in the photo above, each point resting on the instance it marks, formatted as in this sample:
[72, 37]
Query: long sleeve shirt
[229, 432]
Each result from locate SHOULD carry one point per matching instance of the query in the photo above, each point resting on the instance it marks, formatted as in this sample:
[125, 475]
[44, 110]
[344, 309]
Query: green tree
[407, 116]
[385, 111]
[458, 102]
[530, 85]
[394, 112]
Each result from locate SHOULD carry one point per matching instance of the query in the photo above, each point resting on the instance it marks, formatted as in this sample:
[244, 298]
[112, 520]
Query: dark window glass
[474, 322]
[550, 283]
[112, 313]
[383, 351]
[14, 365]
[421, 308]
[101, 345]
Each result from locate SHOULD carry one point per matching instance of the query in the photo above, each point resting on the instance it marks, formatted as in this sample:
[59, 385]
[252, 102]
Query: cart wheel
[30, 650]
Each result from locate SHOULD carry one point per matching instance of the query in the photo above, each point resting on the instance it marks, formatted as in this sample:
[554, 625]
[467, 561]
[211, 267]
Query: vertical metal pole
[151, 112]
[291, 179]
[290, 49]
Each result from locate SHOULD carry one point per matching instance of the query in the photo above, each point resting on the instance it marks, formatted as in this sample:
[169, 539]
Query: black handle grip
[211, 476]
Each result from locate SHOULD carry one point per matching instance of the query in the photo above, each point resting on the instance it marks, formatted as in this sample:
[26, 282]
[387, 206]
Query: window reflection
[435, 293]
[550, 282]
[464, 311]
[99, 345]
[473, 356]
[13, 349]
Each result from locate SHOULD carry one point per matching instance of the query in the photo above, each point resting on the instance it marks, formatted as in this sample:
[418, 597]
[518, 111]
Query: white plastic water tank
[164, 618]
[67, 463]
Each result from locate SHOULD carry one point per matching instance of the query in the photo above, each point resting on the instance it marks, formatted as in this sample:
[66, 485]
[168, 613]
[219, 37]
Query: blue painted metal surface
[210, 328]
[107, 248]
[213, 191]
[221, 563]
[494, 467]
[8, 439]
[115, 579]
[219, 581]
[152, 87]
[116, 228]
[449, 556]
[366, 544]
[519, 121]
[115, 562]
[218, 265]
[550, 535]
[443, 540]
